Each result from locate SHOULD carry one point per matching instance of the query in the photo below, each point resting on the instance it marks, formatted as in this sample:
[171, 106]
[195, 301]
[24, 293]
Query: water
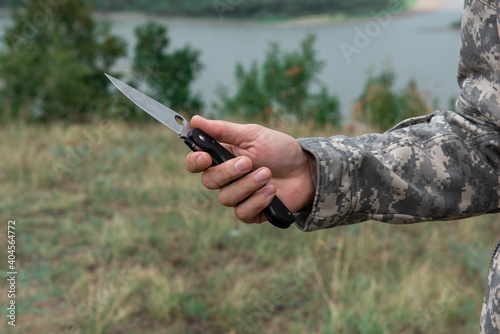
[420, 46]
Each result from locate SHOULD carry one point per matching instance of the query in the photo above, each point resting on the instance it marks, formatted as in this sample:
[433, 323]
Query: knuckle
[225, 200]
[208, 181]
[193, 164]
[219, 176]
[190, 163]
[250, 210]
[242, 215]
[245, 215]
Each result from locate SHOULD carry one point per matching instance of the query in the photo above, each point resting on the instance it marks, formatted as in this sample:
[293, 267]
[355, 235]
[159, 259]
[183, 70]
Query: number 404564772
[11, 248]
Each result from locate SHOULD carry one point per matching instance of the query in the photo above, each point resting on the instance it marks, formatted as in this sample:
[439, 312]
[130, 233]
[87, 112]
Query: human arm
[440, 166]
[436, 167]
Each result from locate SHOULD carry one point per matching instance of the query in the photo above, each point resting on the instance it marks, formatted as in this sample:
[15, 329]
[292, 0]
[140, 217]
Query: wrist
[313, 177]
[305, 182]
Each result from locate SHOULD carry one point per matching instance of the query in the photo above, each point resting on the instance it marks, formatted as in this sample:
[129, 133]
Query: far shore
[430, 5]
[421, 6]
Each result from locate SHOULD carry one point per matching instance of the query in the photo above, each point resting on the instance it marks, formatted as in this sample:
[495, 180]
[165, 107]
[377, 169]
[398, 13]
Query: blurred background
[114, 236]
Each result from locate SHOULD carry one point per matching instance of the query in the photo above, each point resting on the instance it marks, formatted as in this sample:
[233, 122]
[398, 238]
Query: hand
[282, 168]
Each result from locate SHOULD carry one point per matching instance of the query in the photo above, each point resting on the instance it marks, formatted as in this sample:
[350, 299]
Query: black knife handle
[276, 213]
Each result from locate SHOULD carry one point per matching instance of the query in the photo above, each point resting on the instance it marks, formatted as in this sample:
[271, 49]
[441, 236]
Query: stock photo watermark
[225, 6]
[11, 273]
[39, 20]
[265, 309]
[364, 35]
[423, 320]
[75, 155]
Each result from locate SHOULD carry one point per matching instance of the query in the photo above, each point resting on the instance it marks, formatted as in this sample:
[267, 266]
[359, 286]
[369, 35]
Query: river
[419, 46]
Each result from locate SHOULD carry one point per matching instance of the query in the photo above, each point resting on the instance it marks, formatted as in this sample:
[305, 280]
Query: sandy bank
[431, 5]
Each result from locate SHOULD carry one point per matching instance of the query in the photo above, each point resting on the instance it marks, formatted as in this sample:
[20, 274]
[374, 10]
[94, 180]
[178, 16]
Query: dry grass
[118, 238]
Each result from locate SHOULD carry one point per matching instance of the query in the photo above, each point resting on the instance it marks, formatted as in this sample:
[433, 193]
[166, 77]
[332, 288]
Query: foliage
[168, 75]
[56, 56]
[54, 61]
[248, 8]
[282, 87]
[382, 107]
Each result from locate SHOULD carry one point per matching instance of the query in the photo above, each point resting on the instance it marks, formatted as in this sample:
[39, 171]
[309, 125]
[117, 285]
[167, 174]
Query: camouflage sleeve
[441, 166]
[436, 167]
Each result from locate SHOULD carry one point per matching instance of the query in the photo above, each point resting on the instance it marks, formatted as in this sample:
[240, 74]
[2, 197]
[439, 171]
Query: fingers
[197, 162]
[222, 131]
[218, 176]
[248, 195]
[246, 210]
[237, 192]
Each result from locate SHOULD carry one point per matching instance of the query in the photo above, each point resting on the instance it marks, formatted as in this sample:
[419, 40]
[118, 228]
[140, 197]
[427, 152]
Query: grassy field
[114, 236]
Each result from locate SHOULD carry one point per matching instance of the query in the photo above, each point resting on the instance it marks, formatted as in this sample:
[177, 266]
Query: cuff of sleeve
[336, 184]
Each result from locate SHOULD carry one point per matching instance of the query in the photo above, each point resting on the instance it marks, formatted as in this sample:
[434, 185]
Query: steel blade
[160, 112]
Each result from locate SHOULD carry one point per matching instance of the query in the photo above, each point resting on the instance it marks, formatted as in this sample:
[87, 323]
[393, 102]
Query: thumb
[222, 131]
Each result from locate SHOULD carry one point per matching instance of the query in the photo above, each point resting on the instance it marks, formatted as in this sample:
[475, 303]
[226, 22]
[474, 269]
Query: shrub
[381, 106]
[281, 88]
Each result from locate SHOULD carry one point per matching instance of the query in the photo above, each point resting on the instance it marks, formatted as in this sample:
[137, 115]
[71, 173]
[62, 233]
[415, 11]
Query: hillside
[244, 9]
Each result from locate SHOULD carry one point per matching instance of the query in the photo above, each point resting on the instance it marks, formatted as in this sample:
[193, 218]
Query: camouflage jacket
[437, 167]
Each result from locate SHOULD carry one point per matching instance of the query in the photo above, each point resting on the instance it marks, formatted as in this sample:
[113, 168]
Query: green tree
[282, 87]
[382, 107]
[54, 59]
[168, 75]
